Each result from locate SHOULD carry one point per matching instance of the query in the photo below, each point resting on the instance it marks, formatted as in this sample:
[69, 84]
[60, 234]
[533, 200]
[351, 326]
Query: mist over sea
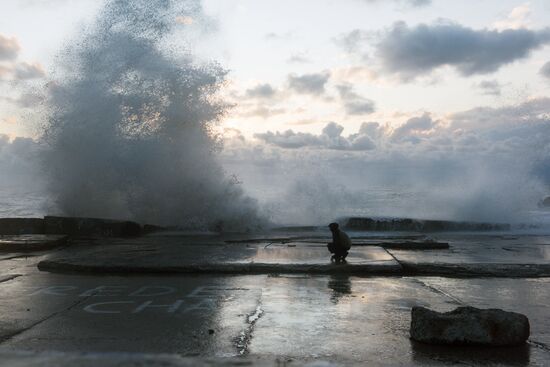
[130, 130]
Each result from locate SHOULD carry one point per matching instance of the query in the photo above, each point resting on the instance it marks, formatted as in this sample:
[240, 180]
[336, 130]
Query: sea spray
[129, 130]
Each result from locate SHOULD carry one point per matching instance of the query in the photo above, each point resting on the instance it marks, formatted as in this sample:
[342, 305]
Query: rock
[545, 203]
[16, 226]
[91, 227]
[469, 325]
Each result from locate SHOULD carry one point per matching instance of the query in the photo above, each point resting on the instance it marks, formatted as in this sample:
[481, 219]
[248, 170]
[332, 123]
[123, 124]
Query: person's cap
[333, 225]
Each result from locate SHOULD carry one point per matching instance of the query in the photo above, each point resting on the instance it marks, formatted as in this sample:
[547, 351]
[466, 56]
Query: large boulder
[469, 325]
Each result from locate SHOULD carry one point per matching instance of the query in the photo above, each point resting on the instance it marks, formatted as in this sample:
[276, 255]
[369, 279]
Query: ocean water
[22, 202]
[18, 201]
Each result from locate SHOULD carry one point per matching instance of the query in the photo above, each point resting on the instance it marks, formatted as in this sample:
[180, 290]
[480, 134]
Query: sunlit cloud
[518, 18]
[9, 48]
[185, 20]
[10, 120]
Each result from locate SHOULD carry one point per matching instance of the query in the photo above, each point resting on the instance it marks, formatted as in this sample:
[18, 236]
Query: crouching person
[340, 244]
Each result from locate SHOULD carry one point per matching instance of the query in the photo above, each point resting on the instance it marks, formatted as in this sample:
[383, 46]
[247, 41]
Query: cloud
[355, 104]
[28, 100]
[480, 119]
[413, 3]
[413, 51]
[289, 139]
[24, 71]
[9, 120]
[545, 70]
[9, 48]
[19, 161]
[330, 138]
[313, 84]
[412, 127]
[272, 36]
[298, 58]
[262, 111]
[264, 90]
[490, 87]
[462, 168]
[12, 69]
[516, 19]
[185, 20]
[354, 41]
[303, 122]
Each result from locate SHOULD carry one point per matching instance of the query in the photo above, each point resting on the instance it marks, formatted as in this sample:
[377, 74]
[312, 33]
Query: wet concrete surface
[468, 255]
[482, 249]
[176, 255]
[302, 318]
[262, 319]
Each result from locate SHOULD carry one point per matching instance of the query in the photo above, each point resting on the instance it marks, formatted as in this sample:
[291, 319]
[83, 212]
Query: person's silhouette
[340, 244]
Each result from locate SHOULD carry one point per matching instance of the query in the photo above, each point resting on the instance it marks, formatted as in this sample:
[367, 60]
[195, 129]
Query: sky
[423, 94]
[350, 48]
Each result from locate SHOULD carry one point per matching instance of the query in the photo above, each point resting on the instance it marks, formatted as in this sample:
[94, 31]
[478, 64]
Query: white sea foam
[129, 133]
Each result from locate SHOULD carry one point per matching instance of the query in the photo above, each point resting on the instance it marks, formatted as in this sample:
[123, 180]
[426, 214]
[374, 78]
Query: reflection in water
[340, 285]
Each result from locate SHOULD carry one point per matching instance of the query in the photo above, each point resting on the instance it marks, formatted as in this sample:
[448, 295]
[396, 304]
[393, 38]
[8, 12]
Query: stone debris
[469, 326]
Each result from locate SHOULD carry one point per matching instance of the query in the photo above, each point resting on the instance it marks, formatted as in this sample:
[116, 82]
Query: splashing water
[129, 132]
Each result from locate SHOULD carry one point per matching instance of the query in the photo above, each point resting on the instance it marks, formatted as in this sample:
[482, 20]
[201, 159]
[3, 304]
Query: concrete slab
[467, 256]
[262, 258]
[475, 255]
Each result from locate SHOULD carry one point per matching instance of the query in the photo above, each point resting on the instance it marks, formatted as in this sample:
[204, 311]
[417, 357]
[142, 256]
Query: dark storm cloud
[355, 104]
[490, 87]
[9, 48]
[309, 83]
[411, 51]
[545, 70]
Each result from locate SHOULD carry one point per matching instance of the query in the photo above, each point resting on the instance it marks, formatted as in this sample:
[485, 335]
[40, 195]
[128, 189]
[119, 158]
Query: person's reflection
[340, 286]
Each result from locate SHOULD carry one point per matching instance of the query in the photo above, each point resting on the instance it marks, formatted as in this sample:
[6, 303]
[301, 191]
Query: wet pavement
[467, 255]
[261, 319]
